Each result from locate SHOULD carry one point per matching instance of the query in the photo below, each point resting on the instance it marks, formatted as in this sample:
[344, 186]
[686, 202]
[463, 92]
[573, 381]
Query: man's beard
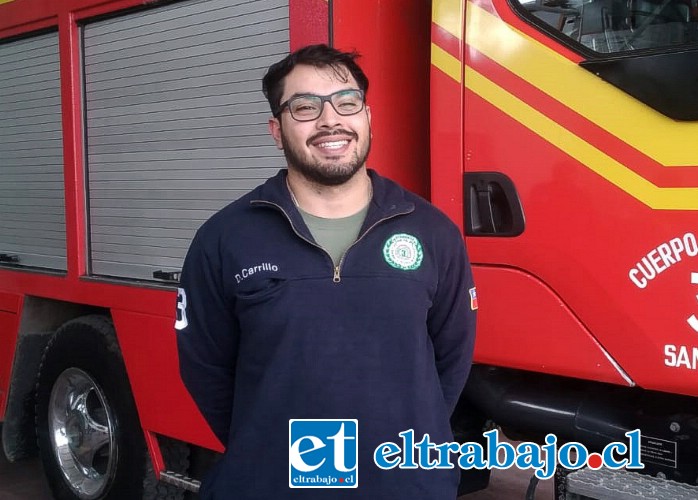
[328, 173]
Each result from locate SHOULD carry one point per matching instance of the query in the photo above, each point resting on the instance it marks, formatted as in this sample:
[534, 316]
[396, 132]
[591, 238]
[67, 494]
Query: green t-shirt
[335, 235]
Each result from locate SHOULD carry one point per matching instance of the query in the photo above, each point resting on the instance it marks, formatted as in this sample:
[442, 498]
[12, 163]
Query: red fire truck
[559, 134]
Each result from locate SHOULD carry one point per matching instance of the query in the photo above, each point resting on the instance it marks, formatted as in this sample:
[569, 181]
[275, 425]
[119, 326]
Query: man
[328, 292]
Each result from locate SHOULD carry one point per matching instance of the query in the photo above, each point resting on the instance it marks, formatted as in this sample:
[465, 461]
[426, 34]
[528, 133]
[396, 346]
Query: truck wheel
[90, 439]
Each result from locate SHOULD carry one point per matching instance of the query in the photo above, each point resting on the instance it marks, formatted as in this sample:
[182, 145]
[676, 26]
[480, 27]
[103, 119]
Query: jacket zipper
[337, 269]
[336, 277]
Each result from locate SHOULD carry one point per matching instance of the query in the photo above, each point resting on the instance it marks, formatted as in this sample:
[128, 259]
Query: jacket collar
[388, 200]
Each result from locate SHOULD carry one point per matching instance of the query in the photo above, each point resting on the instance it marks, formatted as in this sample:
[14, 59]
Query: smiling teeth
[334, 144]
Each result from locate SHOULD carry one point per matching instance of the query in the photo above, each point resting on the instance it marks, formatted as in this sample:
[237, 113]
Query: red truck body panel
[598, 197]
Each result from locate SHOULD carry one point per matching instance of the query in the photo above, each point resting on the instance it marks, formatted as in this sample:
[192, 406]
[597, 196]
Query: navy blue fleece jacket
[272, 331]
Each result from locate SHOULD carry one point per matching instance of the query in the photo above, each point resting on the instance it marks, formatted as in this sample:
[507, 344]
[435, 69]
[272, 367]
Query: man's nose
[328, 117]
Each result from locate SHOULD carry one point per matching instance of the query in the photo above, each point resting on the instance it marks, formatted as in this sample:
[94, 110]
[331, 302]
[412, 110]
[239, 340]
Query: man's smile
[332, 142]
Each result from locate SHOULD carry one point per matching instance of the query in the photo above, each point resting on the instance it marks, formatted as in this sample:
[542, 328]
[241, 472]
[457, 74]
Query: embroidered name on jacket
[251, 271]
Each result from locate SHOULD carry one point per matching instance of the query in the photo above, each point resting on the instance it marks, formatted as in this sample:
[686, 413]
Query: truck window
[615, 26]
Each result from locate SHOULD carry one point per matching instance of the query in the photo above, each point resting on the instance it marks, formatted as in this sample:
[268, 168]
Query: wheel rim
[81, 427]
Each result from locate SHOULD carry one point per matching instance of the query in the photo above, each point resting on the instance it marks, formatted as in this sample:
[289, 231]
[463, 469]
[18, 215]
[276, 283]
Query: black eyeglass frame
[323, 100]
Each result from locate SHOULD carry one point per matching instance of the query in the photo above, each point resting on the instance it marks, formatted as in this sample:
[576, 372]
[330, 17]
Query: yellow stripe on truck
[448, 14]
[594, 159]
[669, 142]
[446, 62]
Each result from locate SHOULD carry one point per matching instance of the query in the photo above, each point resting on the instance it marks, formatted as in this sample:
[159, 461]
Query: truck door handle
[492, 206]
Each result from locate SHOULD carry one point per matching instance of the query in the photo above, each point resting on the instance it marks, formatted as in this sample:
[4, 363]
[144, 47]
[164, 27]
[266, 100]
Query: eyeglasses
[308, 107]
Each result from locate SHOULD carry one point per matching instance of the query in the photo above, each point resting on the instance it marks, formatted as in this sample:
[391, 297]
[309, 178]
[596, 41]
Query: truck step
[605, 484]
[181, 481]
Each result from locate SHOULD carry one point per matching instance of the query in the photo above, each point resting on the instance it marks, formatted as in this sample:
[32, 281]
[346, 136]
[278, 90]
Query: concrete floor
[25, 481]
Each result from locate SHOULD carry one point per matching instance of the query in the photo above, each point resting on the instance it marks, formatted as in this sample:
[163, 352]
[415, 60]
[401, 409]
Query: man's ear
[275, 131]
[368, 114]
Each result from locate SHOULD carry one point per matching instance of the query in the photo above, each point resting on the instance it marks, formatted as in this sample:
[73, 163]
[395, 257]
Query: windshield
[609, 26]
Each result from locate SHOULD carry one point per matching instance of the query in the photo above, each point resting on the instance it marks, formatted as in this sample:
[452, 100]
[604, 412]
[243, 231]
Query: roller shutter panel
[32, 198]
[176, 124]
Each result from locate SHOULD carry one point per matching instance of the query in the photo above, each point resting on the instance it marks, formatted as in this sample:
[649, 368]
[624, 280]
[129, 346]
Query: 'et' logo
[323, 453]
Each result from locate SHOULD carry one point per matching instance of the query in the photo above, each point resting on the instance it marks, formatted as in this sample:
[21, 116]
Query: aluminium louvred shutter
[32, 197]
[176, 124]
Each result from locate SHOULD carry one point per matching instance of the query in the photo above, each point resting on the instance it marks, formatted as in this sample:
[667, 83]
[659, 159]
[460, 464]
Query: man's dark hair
[320, 56]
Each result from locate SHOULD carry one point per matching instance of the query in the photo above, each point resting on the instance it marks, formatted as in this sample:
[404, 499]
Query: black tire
[560, 483]
[176, 456]
[86, 415]
[468, 424]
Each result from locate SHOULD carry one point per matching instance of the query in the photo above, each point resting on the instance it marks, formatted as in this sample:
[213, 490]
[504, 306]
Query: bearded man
[329, 296]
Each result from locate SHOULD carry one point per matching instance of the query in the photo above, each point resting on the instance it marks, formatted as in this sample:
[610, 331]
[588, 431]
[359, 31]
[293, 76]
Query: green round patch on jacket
[403, 251]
